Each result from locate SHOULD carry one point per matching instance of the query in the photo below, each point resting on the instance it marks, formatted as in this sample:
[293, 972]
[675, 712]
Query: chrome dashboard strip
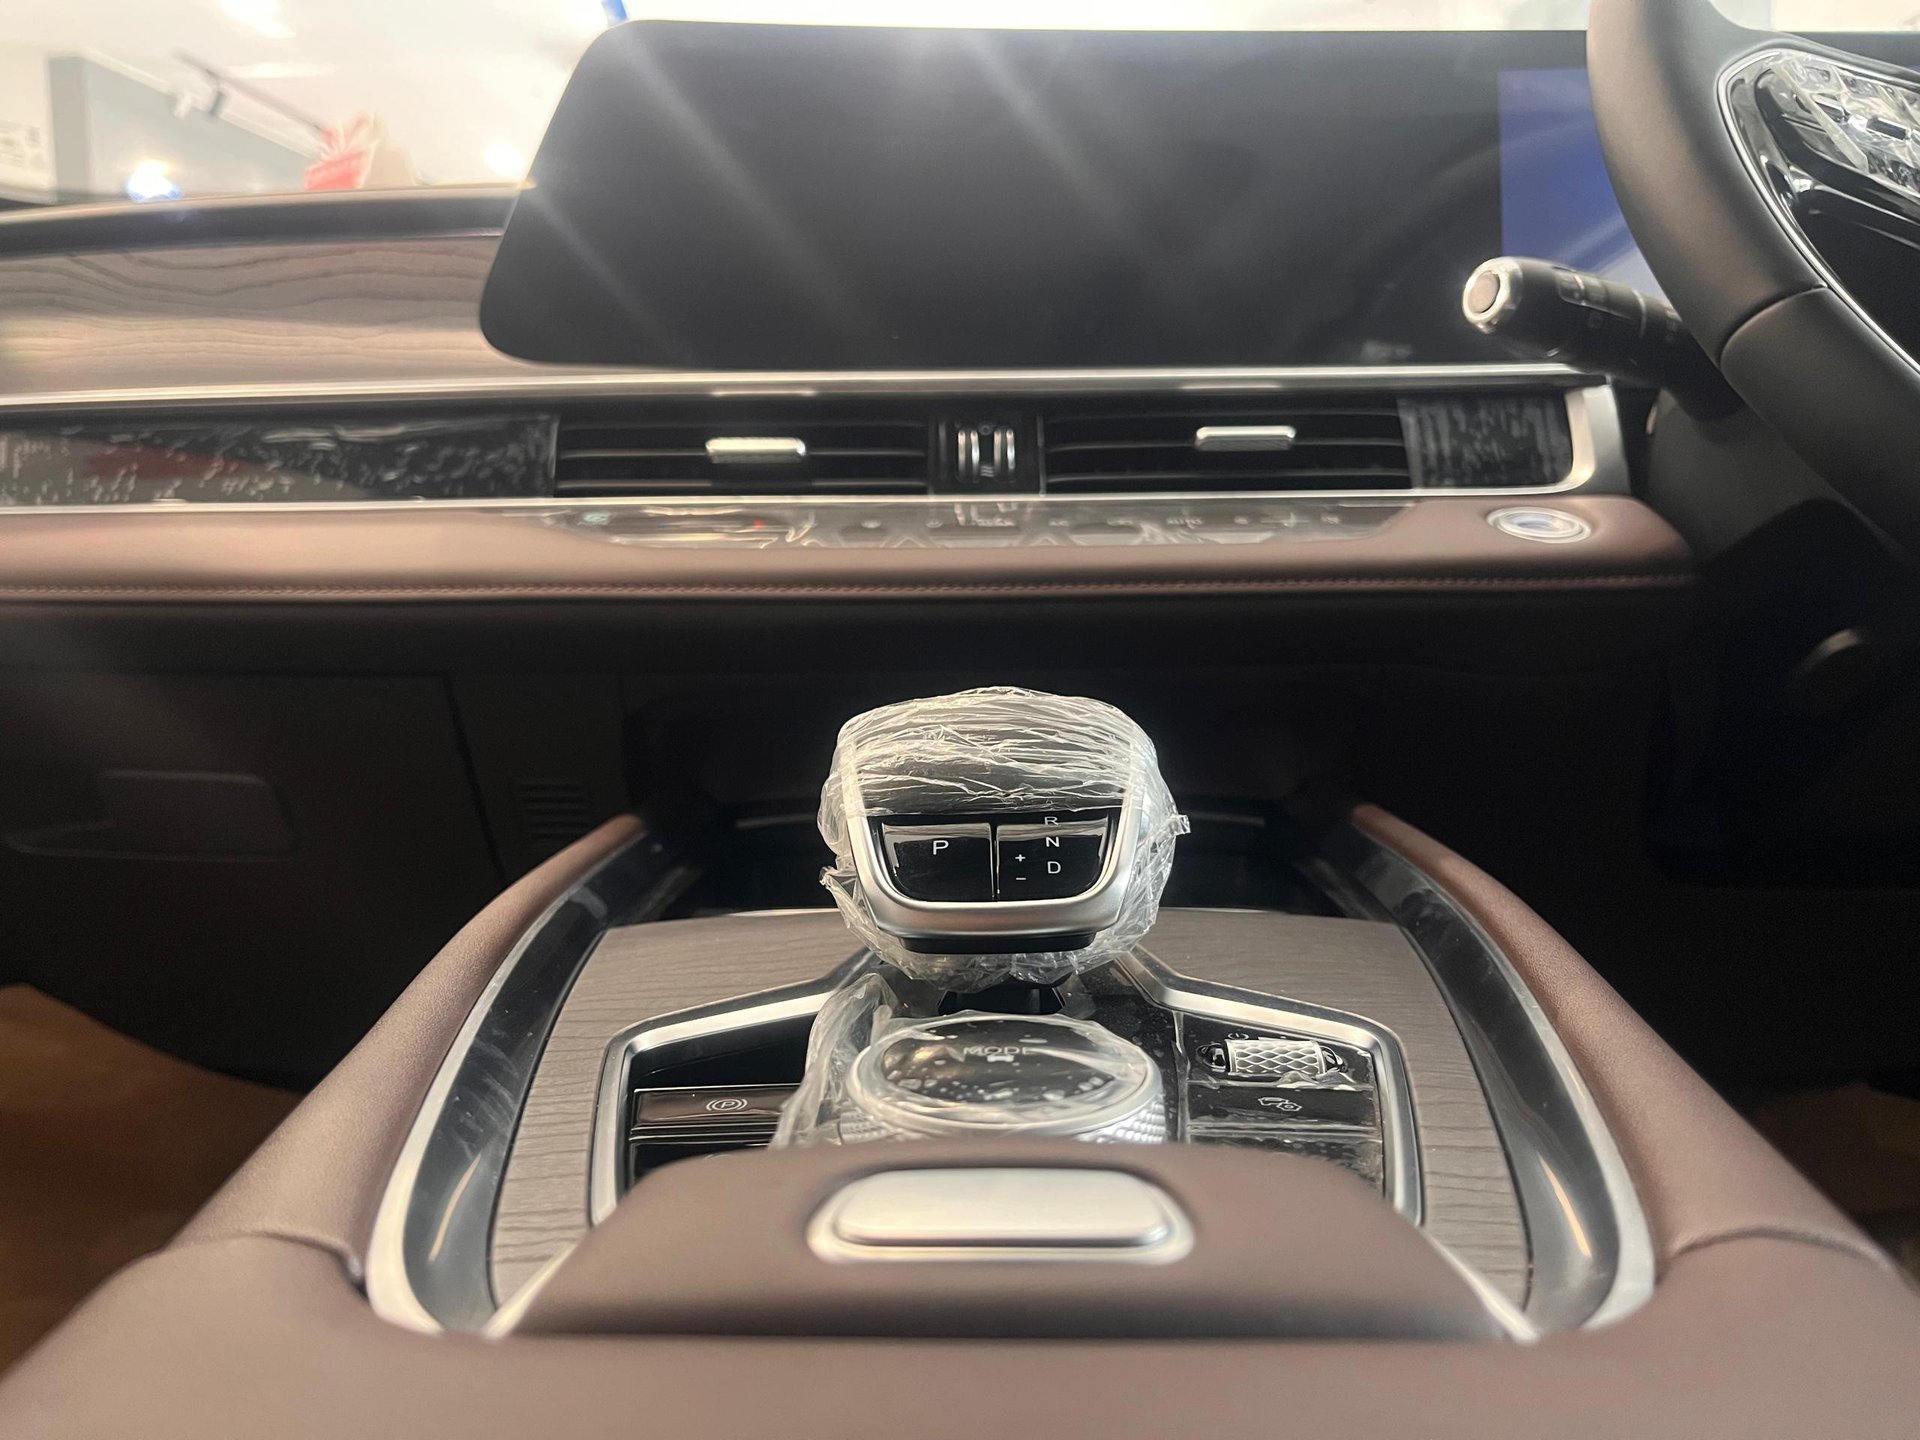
[427, 1261]
[565, 384]
[1591, 1251]
[1598, 465]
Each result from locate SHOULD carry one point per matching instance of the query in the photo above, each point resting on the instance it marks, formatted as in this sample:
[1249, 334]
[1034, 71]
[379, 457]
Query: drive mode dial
[1004, 1074]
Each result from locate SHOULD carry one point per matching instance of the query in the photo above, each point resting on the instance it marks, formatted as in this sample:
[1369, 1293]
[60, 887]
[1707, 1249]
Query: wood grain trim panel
[1369, 969]
[637, 973]
[424, 554]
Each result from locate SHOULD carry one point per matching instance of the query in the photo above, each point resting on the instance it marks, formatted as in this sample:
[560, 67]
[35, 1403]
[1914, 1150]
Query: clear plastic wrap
[999, 751]
[877, 1072]
[853, 1017]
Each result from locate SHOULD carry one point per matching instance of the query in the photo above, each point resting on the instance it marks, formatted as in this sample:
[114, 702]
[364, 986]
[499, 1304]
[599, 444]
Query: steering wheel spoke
[1774, 187]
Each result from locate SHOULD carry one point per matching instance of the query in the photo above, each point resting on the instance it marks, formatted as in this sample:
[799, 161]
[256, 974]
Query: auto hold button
[940, 862]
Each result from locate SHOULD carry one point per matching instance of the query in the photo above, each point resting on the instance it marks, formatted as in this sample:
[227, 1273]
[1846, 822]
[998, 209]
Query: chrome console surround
[427, 1259]
[1593, 1258]
[719, 1028]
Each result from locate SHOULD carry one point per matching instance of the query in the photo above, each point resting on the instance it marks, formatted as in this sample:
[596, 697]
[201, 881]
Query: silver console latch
[996, 1213]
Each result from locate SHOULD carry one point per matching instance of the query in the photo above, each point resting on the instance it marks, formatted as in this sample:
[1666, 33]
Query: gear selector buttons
[1060, 856]
[1046, 856]
[941, 862]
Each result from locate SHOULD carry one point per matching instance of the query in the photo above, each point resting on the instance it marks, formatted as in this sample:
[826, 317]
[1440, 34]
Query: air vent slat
[665, 454]
[1190, 482]
[1336, 443]
[1071, 447]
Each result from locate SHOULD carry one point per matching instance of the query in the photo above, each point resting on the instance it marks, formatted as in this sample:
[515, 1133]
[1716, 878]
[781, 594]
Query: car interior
[1057, 729]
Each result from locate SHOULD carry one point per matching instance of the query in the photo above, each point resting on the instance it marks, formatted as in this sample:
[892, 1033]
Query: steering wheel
[1774, 186]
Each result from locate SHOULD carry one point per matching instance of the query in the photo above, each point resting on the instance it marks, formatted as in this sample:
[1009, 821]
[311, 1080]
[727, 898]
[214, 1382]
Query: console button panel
[677, 1122]
[1041, 855]
[1294, 1094]
[1264, 1087]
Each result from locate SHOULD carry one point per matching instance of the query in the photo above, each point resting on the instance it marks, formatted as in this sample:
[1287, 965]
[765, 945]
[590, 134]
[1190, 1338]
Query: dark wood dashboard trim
[1434, 546]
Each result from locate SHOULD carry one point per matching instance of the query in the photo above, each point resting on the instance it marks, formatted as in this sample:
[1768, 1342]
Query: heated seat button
[940, 862]
[1060, 855]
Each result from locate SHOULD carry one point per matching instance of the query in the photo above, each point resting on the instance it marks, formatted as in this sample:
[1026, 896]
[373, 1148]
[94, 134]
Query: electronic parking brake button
[940, 862]
[710, 1105]
[1057, 856]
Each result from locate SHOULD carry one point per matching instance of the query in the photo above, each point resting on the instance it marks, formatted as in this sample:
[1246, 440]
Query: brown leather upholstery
[264, 1340]
[319, 1177]
[415, 555]
[1772, 1321]
[1704, 1176]
[1282, 1246]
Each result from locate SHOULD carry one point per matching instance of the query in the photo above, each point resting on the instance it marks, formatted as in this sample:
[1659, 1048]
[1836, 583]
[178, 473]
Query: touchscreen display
[1556, 202]
[728, 197]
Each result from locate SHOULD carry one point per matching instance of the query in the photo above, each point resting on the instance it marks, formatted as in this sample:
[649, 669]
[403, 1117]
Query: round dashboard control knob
[1004, 1075]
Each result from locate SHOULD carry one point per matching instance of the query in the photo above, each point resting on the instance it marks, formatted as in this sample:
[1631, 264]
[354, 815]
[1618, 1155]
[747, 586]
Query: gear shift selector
[997, 833]
[987, 836]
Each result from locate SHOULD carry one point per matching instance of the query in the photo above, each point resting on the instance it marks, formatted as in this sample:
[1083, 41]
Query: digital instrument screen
[1556, 202]
[745, 197]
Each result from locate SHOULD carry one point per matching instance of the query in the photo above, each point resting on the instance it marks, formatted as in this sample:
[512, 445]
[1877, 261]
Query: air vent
[1345, 443]
[553, 812]
[771, 452]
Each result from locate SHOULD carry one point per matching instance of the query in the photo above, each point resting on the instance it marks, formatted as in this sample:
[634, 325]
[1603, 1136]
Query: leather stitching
[1792, 1234]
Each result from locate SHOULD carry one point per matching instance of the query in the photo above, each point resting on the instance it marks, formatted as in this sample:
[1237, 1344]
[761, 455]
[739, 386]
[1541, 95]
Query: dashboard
[1302, 375]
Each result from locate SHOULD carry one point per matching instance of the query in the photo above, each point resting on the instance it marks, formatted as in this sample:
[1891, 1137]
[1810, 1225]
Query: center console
[1010, 981]
[626, 1157]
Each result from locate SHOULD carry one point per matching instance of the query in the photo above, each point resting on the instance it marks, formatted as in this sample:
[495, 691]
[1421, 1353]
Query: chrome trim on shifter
[1091, 911]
